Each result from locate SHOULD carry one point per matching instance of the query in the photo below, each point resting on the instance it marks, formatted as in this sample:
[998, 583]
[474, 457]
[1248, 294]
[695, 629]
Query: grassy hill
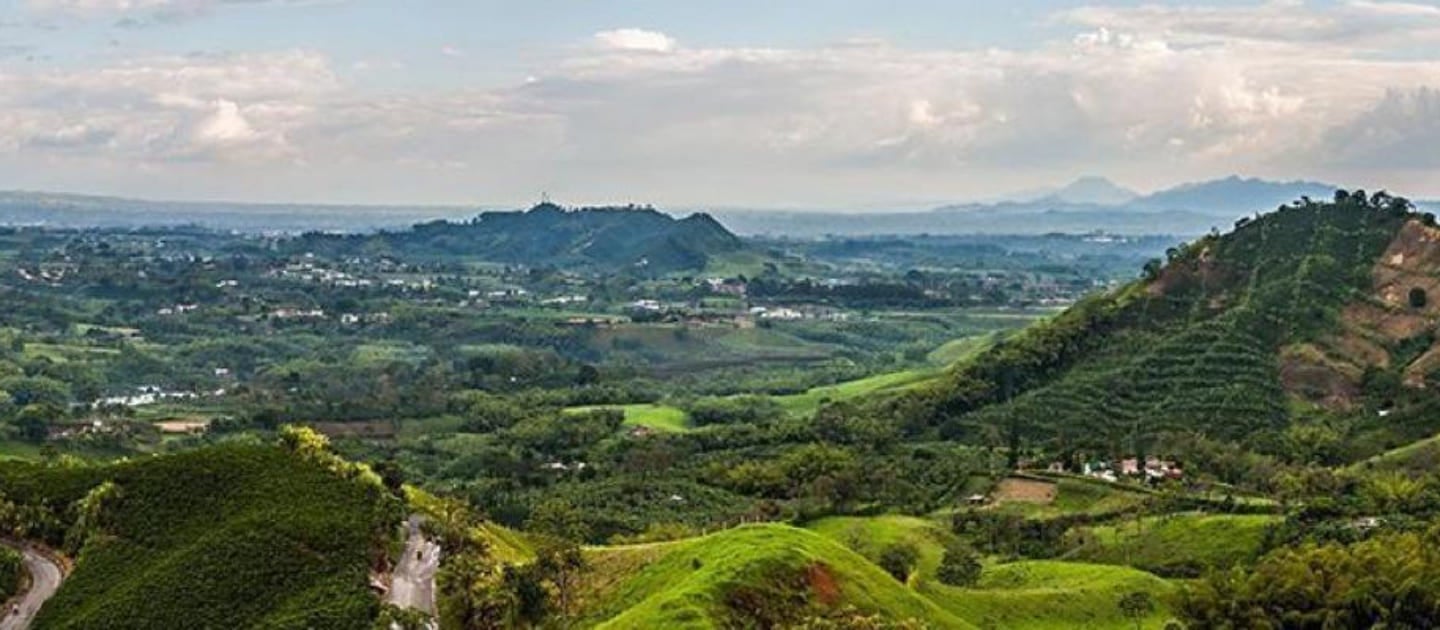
[1295, 306]
[753, 576]
[224, 537]
[1046, 595]
[1183, 545]
[1025, 594]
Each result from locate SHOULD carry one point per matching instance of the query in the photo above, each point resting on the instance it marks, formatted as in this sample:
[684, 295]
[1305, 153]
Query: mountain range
[1088, 204]
[1085, 205]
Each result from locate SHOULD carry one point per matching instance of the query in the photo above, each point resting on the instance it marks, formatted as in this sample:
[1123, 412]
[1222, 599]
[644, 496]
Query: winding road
[45, 577]
[412, 585]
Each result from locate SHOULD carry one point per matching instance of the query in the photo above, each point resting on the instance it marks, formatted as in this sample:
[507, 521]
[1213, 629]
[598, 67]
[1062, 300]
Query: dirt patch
[1357, 349]
[822, 584]
[183, 426]
[1418, 369]
[1017, 490]
[1307, 372]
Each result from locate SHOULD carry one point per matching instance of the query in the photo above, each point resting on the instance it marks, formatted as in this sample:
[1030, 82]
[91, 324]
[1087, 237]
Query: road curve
[412, 585]
[45, 577]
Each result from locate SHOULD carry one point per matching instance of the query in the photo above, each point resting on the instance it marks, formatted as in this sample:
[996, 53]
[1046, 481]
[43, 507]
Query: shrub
[899, 560]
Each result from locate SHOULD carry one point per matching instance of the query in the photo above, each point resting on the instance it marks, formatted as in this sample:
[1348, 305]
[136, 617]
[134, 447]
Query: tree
[556, 518]
[1418, 299]
[561, 563]
[1137, 605]
[960, 566]
[33, 422]
[899, 560]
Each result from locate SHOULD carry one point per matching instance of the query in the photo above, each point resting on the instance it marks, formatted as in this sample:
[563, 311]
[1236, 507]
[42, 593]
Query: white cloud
[635, 39]
[143, 13]
[1142, 94]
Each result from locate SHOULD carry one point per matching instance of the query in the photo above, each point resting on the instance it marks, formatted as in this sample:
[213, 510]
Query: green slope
[1178, 545]
[1028, 594]
[224, 537]
[1196, 345]
[759, 575]
[1045, 595]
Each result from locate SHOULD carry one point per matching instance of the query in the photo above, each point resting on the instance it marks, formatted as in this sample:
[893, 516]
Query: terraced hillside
[1315, 306]
[224, 537]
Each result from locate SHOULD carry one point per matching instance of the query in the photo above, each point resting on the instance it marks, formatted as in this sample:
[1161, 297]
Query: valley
[401, 430]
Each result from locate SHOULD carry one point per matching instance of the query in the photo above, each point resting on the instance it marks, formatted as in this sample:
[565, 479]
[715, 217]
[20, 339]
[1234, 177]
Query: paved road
[45, 578]
[413, 583]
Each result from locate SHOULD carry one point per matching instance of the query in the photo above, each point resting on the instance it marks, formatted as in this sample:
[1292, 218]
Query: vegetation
[213, 538]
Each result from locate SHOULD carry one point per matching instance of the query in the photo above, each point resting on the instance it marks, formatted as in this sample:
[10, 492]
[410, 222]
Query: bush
[960, 566]
[899, 560]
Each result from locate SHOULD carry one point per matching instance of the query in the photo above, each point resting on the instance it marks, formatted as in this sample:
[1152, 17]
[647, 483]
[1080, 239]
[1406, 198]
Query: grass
[757, 575]
[1079, 496]
[1179, 544]
[1046, 595]
[1421, 455]
[657, 417]
[870, 535]
[806, 403]
[962, 349]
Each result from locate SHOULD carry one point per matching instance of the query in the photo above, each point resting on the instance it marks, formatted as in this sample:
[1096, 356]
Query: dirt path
[413, 583]
[45, 577]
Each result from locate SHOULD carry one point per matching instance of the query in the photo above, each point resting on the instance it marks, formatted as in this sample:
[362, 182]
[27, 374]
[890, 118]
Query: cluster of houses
[1153, 470]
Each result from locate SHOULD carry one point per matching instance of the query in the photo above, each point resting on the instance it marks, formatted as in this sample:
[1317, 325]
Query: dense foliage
[224, 537]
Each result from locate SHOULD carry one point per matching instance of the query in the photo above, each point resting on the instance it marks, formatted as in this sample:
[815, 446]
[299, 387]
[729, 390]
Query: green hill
[224, 537]
[753, 576]
[1178, 545]
[614, 238]
[1315, 305]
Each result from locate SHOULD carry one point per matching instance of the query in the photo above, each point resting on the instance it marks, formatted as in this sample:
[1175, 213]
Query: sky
[838, 104]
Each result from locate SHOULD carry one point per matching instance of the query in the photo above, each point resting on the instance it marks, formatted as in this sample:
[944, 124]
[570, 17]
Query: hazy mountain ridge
[1089, 204]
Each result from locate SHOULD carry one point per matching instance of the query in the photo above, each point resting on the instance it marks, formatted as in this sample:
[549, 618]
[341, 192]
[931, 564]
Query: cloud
[1401, 131]
[1139, 93]
[146, 13]
[635, 39]
[160, 109]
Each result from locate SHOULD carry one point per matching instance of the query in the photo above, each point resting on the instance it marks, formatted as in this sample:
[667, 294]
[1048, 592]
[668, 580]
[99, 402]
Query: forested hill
[1316, 309]
[610, 238]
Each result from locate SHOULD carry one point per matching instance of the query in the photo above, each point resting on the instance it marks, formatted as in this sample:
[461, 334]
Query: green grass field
[1031, 594]
[1051, 595]
[808, 402]
[657, 417]
[1079, 496]
[1177, 544]
[870, 535]
[961, 349]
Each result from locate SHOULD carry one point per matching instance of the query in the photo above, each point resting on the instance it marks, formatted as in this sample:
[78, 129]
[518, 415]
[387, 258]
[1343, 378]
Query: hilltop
[613, 238]
[1319, 307]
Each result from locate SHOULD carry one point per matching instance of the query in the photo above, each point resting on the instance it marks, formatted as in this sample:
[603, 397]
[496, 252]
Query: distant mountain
[1089, 204]
[1096, 191]
[610, 238]
[1232, 196]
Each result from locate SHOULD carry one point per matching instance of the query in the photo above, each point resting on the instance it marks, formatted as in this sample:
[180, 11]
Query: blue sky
[809, 103]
